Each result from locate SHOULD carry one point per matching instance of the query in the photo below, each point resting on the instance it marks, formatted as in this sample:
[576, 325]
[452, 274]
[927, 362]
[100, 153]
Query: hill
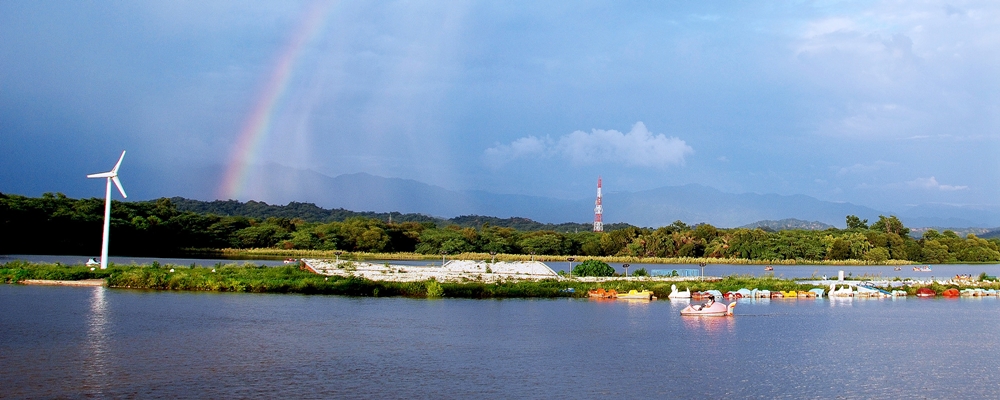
[276, 184]
[312, 213]
[789, 224]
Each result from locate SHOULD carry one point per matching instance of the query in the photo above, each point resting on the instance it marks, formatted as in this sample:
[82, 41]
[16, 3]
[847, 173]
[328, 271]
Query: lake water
[98, 342]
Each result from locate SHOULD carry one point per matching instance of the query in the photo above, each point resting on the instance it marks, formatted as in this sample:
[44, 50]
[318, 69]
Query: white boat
[93, 262]
[674, 294]
[845, 291]
[717, 309]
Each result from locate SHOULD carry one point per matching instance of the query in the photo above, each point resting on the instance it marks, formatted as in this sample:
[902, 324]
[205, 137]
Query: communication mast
[598, 209]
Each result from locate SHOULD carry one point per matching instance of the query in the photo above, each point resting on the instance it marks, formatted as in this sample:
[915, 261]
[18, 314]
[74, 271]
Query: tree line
[56, 224]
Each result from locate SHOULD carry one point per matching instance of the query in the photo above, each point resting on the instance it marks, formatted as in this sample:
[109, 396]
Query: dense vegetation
[787, 224]
[56, 224]
[309, 212]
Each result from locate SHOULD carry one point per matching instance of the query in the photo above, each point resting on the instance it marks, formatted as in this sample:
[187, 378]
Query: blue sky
[882, 104]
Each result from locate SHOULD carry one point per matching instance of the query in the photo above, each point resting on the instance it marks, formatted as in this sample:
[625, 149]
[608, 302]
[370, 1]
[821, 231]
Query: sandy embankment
[457, 271]
[452, 271]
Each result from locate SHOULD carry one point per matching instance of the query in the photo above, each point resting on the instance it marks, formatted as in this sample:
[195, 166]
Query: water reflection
[760, 300]
[701, 325]
[637, 311]
[837, 301]
[676, 305]
[97, 359]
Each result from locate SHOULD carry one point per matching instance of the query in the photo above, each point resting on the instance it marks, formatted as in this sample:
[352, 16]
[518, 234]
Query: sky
[878, 103]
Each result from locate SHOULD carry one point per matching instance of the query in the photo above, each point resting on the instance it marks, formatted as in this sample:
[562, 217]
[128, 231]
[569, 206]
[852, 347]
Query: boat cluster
[745, 294]
[613, 294]
[868, 291]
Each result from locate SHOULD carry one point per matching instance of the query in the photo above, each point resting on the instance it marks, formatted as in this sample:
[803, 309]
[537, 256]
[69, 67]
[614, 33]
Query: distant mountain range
[275, 184]
[312, 213]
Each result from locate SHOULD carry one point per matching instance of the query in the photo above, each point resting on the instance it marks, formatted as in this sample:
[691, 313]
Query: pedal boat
[674, 294]
[602, 294]
[637, 295]
[717, 309]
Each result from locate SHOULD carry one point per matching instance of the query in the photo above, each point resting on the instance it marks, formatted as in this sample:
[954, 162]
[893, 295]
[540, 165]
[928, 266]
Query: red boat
[925, 292]
[951, 293]
[603, 294]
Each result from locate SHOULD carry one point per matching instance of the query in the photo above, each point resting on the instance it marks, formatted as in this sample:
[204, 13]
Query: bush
[877, 255]
[434, 289]
[640, 272]
[593, 268]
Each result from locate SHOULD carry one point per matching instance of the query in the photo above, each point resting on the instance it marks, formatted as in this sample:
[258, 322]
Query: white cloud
[932, 183]
[864, 168]
[827, 26]
[638, 147]
[524, 147]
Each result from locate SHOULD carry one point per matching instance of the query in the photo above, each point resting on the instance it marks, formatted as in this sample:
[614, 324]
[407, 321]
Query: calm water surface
[97, 342]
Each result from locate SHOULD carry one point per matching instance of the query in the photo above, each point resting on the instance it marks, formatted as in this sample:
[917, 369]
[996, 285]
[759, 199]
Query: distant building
[598, 210]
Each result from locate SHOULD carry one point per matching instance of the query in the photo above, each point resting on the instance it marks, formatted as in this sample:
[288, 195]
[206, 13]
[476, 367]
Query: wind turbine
[112, 176]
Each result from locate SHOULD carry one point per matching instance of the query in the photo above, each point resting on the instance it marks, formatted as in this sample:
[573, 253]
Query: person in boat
[711, 300]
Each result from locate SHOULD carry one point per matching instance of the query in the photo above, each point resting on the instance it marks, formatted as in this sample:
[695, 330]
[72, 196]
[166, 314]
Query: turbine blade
[119, 185]
[115, 169]
[102, 175]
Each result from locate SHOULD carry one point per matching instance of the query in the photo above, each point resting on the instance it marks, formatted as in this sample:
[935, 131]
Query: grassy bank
[291, 279]
[361, 256]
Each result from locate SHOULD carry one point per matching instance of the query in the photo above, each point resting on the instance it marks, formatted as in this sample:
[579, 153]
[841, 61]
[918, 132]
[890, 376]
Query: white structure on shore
[598, 210]
[112, 176]
[451, 271]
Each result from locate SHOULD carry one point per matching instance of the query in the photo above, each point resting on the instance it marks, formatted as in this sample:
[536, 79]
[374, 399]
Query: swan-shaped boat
[674, 294]
[842, 292]
[717, 309]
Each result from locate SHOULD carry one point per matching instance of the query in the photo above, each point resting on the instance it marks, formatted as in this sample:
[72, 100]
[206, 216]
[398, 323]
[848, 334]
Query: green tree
[853, 222]
[543, 242]
[838, 249]
[259, 236]
[878, 254]
[593, 268]
[935, 252]
[890, 224]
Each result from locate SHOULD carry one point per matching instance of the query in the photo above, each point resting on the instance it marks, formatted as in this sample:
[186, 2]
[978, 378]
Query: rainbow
[258, 124]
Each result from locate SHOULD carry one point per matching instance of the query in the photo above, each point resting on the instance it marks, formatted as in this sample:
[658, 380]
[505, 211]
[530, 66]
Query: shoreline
[56, 282]
[363, 257]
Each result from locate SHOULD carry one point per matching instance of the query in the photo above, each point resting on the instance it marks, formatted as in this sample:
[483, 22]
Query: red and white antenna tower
[598, 209]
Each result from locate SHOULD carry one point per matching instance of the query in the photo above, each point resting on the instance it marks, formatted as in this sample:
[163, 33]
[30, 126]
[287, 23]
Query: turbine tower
[598, 209]
[112, 176]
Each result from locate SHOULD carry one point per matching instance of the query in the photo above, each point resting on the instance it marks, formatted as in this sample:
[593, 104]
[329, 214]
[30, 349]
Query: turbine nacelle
[113, 175]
